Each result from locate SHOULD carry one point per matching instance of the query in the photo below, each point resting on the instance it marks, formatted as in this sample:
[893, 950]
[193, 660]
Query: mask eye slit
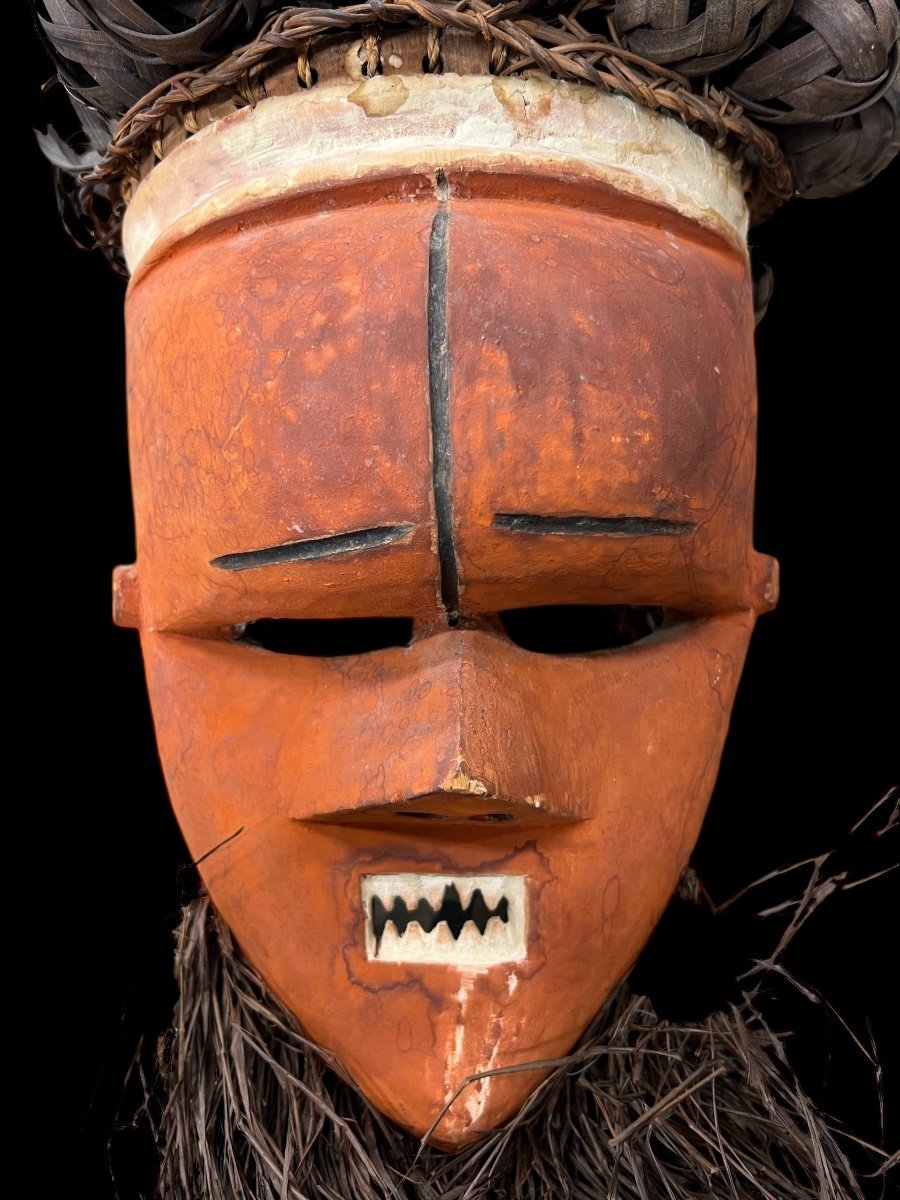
[315, 638]
[583, 628]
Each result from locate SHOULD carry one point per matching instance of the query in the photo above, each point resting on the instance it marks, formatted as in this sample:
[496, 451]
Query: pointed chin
[426, 964]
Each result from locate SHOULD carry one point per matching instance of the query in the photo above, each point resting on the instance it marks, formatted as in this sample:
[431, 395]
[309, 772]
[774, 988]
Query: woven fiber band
[518, 42]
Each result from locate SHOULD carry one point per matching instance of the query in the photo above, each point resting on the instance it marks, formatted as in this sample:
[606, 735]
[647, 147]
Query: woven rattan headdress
[804, 92]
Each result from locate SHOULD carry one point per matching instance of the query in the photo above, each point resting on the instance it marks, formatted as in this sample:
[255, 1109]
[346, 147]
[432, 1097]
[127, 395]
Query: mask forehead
[592, 430]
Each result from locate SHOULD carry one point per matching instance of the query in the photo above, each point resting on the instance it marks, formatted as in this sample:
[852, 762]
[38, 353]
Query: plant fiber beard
[642, 1109]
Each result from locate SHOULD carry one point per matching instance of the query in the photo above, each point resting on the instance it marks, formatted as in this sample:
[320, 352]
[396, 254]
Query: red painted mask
[443, 479]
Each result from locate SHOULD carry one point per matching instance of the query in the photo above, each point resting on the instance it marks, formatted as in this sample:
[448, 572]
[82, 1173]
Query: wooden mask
[442, 420]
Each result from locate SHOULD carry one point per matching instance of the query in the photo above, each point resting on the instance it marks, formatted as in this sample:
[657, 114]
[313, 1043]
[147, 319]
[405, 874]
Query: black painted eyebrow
[632, 526]
[312, 548]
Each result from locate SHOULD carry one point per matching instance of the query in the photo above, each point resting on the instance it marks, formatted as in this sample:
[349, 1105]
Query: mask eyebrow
[624, 524]
[312, 548]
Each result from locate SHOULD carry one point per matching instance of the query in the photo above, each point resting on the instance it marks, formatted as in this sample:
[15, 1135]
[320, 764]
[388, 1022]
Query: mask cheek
[625, 745]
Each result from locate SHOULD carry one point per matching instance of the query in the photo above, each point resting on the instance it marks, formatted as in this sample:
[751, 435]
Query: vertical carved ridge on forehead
[439, 396]
[312, 548]
[632, 526]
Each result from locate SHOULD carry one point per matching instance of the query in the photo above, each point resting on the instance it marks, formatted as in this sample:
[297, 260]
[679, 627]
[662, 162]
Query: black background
[814, 740]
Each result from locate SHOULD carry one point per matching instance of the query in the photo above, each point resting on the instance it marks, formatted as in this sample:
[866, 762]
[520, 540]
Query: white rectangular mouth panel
[461, 920]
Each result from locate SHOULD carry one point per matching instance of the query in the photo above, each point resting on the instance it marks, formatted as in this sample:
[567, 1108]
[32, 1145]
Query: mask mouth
[458, 920]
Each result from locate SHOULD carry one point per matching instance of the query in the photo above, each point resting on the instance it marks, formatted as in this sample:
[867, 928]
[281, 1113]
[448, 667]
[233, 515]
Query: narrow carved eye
[327, 639]
[582, 628]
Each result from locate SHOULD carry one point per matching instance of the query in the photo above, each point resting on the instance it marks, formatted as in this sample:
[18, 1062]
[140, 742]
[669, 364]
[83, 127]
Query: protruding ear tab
[766, 577]
[126, 597]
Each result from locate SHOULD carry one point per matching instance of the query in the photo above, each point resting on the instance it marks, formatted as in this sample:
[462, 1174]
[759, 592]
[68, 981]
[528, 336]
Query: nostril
[487, 818]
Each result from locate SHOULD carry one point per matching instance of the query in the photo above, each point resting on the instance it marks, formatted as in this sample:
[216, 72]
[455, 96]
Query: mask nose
[478, 759]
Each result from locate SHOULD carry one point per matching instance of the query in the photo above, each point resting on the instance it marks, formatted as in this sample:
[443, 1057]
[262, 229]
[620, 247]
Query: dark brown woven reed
[827, 69]
[565, 50]
[110, 52]
[667, 31]
[840, 156]
[834, 58]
